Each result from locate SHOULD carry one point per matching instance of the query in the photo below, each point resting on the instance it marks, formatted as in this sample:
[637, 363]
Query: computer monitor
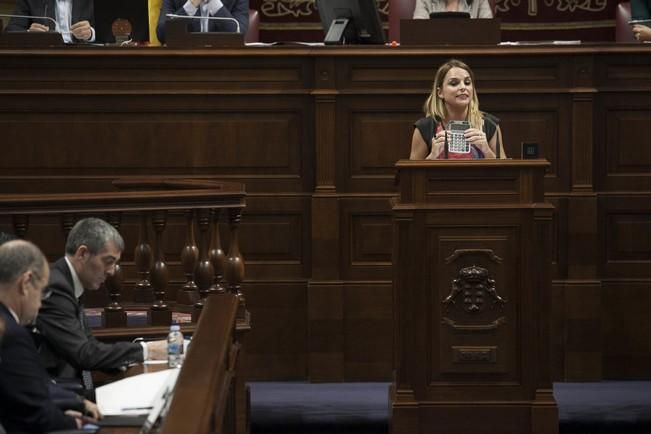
[351, 21]
[134, 11]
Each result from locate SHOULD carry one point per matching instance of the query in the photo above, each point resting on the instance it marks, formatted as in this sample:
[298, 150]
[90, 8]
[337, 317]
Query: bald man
[26, 402]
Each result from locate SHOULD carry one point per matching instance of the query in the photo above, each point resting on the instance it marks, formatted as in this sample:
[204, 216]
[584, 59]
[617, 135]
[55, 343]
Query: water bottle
[175, 347]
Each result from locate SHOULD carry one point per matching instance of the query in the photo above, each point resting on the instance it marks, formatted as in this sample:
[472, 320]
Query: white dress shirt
[208, 8]
[63, 17]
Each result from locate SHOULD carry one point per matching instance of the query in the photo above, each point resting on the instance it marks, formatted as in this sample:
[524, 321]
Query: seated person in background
[454, 98]
[73, 17]
[24, 385]
[229, 9]
[476, 8]
[68, 347]
[641, 10]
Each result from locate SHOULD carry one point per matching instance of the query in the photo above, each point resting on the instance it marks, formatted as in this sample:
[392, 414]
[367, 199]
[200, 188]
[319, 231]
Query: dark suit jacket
[81, 10]
[26, 404]
[238, 9]
[67, 345]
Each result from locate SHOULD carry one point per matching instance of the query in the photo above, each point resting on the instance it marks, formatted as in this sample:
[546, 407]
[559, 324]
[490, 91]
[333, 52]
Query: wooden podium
[472, 299]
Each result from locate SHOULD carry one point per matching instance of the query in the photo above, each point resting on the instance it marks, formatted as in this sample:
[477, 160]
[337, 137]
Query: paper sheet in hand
[132, 395]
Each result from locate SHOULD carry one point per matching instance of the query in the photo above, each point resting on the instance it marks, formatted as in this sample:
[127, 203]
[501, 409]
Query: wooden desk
[209, 394]
[314, 134]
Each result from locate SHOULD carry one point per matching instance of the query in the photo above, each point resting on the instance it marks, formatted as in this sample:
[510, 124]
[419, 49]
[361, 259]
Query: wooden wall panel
[314, 134]
[277, 346]
[366, 239]
[626, 330]
[623, 157]
[196, 137]
[275, 237]
[625, 232]
[372, 134]
[368, 331]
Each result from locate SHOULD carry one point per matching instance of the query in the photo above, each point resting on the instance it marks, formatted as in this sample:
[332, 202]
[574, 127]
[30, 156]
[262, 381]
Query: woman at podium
[476, 8]
[453, 126]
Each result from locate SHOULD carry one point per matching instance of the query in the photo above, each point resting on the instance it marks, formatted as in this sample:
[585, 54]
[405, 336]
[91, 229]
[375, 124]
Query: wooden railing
[146, 209]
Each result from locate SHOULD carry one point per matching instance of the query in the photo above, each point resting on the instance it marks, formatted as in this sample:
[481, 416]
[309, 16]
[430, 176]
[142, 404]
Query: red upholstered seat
[623, 32]
[253, 34]
[404, 9]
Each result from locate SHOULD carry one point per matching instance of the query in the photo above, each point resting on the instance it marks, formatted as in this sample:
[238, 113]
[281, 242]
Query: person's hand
[642, 33]
[157, 350]
[79, 418]
[92, 410]
[36, 27]
[438, 143]
[478, 139]
[82, 30]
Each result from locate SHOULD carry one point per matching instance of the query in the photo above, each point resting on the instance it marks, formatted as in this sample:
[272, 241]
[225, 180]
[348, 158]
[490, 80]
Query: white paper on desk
[138, 393]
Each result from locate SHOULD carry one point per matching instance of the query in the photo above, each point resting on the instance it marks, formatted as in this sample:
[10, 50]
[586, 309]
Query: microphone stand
[31, 17]
[186, 17]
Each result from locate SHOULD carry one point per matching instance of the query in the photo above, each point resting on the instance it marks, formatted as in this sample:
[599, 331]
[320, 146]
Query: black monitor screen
[135, 11]
[351, 21]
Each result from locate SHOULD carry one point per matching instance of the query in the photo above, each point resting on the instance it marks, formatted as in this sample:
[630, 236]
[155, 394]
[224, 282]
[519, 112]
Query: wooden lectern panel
[471, 299]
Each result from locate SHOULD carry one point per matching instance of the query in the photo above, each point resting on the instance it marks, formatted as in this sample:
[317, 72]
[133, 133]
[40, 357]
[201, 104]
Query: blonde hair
[435, 107]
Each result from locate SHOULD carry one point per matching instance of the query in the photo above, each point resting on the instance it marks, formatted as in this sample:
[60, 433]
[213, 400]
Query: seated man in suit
[231, 10]
[68, 347]
[26, 402]
[73, 18]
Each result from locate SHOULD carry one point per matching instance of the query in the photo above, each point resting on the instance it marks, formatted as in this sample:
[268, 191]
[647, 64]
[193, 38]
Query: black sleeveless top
[427, 127]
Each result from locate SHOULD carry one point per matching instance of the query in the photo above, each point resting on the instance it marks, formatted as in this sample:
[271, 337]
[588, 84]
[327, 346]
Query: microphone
[31, 17]
[194, 17]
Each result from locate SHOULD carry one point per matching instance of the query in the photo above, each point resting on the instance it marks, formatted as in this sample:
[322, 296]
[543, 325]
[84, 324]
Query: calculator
[456, 140]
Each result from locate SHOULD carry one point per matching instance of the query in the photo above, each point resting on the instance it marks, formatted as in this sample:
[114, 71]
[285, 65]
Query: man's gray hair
[19, 256]
[93, 233]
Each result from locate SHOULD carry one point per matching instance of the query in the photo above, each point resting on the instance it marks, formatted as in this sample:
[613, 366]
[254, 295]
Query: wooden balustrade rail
[145, 206]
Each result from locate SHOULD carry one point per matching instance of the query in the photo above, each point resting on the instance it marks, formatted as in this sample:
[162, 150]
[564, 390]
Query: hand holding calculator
[456, 138]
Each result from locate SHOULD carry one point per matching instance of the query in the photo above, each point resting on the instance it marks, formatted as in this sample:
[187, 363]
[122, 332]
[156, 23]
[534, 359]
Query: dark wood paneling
[625, 233]
[372, 134]
[277, 350]
[624, 162]
[626, 331]
[368, 329]
[275, 237]
[366, 238]
[314, 134]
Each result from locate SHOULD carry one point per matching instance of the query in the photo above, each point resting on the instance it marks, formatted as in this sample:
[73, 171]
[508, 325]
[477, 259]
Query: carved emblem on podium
[474, 292]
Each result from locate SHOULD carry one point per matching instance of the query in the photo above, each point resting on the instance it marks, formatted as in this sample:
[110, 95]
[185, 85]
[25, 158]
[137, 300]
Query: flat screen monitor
[351, 21]
[134, 11]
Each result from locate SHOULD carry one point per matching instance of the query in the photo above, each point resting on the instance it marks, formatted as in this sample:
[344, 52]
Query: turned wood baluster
[205, 271]
[189, 256]
[160, 313]
[216, 255]
[20, 223]
[234, 268]
[143, 258]
[114, 314]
